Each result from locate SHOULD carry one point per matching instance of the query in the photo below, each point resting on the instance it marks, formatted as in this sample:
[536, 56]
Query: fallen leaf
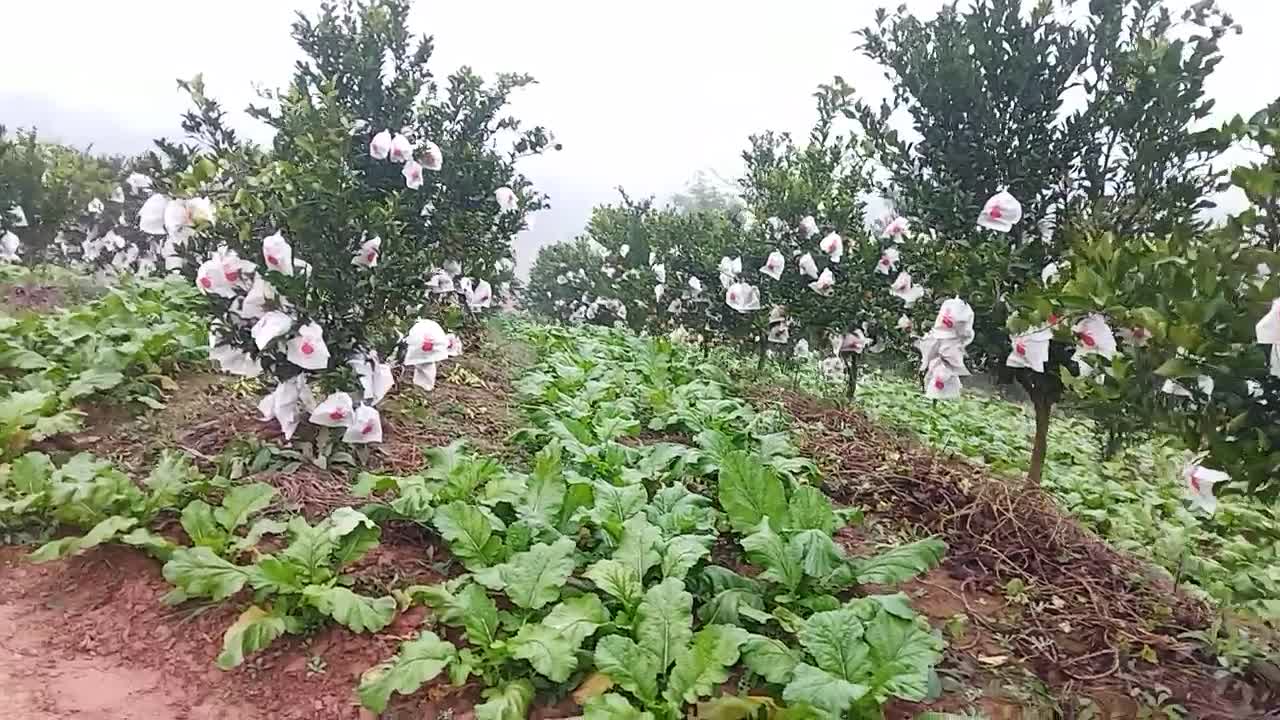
[594, 685]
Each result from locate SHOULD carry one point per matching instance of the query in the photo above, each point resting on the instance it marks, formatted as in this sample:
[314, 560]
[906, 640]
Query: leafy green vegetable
[470, 535]
[199, 572]
[253, 630]
[630, 666]
[360, 613]
[612, 706]
[767, 549]
[706, 663]
[900, 563]
[546, 649]
[664, 621]
[534, 578]
[419, 661]
[825, 691]
[750, 491]
[507, 702]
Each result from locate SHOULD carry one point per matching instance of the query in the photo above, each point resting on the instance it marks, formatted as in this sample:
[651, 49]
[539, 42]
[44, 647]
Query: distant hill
[105, 133]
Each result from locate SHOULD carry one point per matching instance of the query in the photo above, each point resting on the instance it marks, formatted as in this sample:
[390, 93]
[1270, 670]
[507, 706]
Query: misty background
[641, 95]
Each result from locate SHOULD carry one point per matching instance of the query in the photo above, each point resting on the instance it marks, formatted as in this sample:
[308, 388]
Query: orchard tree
[707, 192]
[834, 280]
[1082, 124]
[648, 267]
[1198, 318]
[383, 198]
[46, 188]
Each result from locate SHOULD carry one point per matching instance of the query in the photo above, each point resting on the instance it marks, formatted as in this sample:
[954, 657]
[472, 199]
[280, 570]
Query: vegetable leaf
[664, 621]
[769, 658]
[577, 618]
[360, 613]
[241, 502]
[612, 706]
[253, 630]
[107, 529]
[810, 509]
[824, 691]
[902, 655]
[546, 649]
[706, 663]
[901, 563]
[834, 639]
[198, 522]
[681, 553]
[506, 702]
[617, 579]
[630, 666]
[533, 578]
[470, 535]
[419, 661]
[768, 550]
[750, 491]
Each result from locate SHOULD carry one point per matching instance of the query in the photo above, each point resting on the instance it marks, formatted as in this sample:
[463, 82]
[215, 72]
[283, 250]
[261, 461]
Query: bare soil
[32, 298]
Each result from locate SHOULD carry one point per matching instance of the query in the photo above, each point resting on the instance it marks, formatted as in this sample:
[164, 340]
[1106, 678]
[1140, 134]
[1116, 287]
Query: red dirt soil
[89, 638]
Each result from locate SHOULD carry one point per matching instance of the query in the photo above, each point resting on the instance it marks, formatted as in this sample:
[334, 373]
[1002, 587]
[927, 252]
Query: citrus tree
[648, 267]
[822, 269]
[1198, 323]
[986, 90]
[46, 191]
[381, 214]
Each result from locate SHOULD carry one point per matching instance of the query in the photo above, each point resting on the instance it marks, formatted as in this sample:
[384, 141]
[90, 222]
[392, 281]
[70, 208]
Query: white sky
[641, 95]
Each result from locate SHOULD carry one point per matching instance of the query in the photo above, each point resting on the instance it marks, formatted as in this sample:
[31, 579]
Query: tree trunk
[761, 352]
[851, 375]
[1040, 444]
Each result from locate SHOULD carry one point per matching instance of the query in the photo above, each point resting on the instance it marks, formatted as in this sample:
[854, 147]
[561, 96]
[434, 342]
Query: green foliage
[1135, 500]
[90, 495]
[595, 563]
[53, 185]
[419, 661]
[125, 345]
[300, 585]
[321, 187]
[985, 86]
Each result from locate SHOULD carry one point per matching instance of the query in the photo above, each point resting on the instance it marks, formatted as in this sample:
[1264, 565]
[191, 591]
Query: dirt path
[88, 639]
[37, 686]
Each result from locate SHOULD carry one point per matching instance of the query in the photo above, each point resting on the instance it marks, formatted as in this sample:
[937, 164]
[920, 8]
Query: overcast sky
[641, 95]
